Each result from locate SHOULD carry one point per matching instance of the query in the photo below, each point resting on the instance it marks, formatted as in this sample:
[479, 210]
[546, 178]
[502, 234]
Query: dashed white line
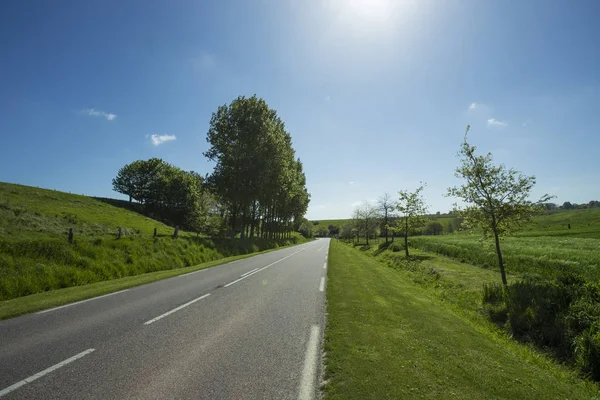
[309, 373]
[82, 301]
[249, 272]
[325, 265]
[260, 269]
[32, 378]
[176, 309]
[322, 284]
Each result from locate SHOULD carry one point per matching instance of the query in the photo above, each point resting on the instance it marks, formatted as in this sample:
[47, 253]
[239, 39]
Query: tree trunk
[385, 221]
[406, 237]
[500, 262]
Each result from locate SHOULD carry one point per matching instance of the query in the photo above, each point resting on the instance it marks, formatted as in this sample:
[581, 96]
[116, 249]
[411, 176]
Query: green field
[392, 333]
[36, 257]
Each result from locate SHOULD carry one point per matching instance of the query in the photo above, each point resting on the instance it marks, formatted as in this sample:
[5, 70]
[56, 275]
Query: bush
[493, 293]
[396, 247]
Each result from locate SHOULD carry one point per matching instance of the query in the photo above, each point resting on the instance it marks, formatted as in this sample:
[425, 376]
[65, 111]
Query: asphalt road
[211, 334]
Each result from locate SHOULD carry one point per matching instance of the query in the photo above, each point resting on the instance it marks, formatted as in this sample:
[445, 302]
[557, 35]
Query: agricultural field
[35, 255]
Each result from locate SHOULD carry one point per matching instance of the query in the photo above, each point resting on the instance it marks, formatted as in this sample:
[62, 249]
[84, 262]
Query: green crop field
[36, 257]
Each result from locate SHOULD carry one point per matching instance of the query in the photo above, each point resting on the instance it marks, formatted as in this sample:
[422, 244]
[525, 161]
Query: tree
[333, 230]
[496, 198]
[450, 227]
[567, 205]
[367, 219]
[412, 209]
[433, 228]
[386, 207]
[256, 177]
[322, 231]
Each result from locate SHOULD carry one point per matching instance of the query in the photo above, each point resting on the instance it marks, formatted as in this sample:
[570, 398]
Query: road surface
[251, 329]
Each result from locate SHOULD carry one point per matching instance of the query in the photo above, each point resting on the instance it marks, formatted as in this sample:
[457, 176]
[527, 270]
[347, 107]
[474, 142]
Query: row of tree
[167, 192]
[257, 187]
[496, 203]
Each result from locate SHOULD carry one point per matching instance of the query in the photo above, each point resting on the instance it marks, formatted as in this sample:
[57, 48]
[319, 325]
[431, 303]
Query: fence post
[176, 233]
[70, 235]
[119, 233]
[154, 232]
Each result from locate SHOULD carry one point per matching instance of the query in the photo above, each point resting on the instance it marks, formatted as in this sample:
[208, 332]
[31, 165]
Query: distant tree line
[257, 187]
[567, 205]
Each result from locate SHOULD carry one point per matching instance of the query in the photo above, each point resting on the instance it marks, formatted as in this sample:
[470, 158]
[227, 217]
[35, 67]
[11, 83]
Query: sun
[370, 10]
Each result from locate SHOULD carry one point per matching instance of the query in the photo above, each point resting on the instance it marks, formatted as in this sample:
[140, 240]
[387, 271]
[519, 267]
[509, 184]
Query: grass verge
[54, 298]
[388, 338]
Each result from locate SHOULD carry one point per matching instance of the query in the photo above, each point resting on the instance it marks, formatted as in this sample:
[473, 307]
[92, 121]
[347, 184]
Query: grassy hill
[35, 255]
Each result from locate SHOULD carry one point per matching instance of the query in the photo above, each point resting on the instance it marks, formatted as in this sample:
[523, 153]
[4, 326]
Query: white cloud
[473, 106]
[204, 61]
[97, 113]
[356, 204]
[495, 122]
[160, 139]
[526, 123]
[351, 183]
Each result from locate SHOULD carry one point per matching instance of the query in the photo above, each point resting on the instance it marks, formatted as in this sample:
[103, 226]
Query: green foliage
[412, 209]
[497, 199]
[433, 228]
[322, 232]
[333, 230]
[306, 229]
[257, 178]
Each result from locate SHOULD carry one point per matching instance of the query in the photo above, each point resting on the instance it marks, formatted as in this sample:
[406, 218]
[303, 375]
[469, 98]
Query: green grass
[54, 298]
[36, 257]
[542, 255]
[390, 338]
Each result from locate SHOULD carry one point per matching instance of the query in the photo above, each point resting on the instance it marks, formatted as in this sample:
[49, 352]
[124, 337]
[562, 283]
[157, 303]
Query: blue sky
[376, 94]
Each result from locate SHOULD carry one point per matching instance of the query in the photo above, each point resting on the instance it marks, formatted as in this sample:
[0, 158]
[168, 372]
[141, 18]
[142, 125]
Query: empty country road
[250, 329]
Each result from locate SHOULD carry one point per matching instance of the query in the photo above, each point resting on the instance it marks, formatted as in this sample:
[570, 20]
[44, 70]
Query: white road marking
[309, 373]
[265, 267]
[82, 301]
[322, 284]
[176, 309]
[32, 378]
[249, 272]
[325, 265]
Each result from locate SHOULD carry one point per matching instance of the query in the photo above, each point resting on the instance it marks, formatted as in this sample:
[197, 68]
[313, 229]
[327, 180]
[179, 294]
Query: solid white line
[175, 309]
[44, 372]
[322, 284]
[325, 265]
[249, 272]
[309, 373]
[260, 269]
[82, 301]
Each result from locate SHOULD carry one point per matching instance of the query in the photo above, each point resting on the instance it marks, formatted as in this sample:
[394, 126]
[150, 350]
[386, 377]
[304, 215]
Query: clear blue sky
[376, 94]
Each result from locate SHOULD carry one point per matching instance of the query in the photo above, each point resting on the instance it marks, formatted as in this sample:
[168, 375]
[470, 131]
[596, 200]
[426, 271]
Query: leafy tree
[306, 230]
[322, 231]
[333, 230]
[497, 199]
[450, 227]
[567, 205]
[257, 178]
[386, 208]
[412, 209]
[433, 228]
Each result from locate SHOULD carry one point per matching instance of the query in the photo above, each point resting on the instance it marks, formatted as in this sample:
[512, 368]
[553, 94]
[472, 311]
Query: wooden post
[176, 233]
[119, 233]
[569, 226]
[70, 235]
[154, 232]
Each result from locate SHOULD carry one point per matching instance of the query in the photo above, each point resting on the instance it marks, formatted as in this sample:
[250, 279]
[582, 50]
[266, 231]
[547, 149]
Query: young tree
[497, 198]
[367, 215]
[386, 207]
[412, 209]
